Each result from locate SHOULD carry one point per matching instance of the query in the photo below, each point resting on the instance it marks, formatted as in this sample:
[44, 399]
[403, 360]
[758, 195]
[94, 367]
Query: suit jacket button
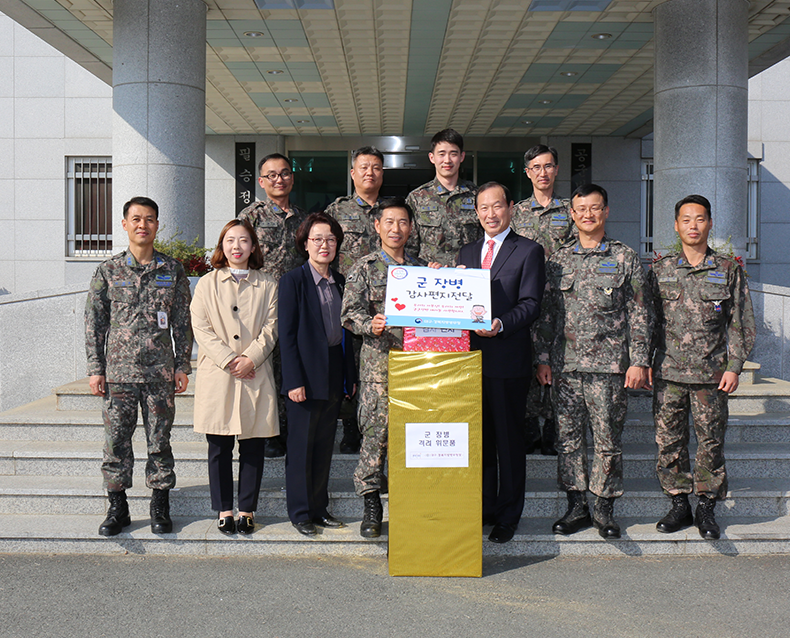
[236, 337]
[235, 308]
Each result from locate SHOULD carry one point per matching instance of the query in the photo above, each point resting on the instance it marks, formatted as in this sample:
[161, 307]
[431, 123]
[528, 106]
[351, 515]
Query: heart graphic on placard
[400, 306]
[394, 299]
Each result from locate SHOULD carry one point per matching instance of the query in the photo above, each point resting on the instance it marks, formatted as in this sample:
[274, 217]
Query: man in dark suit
[517, 282]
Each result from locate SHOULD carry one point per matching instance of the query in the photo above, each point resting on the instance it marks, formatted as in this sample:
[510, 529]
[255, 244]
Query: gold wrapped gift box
[435, 511]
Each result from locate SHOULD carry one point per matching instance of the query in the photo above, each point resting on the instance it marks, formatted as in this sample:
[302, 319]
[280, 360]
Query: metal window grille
[646, 245]
[89, 186]
[752, 209]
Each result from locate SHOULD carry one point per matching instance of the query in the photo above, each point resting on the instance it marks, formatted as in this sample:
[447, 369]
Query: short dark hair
[366, 150]
[218, 258]
[489, 186]
[307, 225]
[693, 199]
[393, 202]
[141, 201]
[272, 156]
[449, 135]
[588, 189]
[540, 149]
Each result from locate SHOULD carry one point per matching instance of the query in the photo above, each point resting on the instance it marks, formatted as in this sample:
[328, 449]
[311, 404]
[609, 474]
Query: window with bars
[752, 209]
[89, 192]
[646, 245]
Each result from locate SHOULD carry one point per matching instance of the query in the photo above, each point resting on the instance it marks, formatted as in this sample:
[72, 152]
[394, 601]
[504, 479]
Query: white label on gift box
[437, 445]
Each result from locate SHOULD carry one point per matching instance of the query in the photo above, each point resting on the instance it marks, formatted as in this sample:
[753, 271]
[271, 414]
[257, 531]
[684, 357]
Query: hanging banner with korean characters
[458, 298]
[245, 175]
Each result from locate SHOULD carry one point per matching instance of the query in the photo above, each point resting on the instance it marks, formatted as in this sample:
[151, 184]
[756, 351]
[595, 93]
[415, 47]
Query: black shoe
[547, 448]
[117, 515]
[351, 437]
[576, 518]
[532, 431]
[502, 533]
[603, 518]
[534, 447]
[160, 512]
[705, 519]
[371, 519]
[678, 517]
[306, 528]
[226, 525]
[488, 520]
[246, 525]
[273, 448]
[327, 520]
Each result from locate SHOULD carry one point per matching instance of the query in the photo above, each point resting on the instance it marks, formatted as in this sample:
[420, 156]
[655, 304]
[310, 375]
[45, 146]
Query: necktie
[489, 255]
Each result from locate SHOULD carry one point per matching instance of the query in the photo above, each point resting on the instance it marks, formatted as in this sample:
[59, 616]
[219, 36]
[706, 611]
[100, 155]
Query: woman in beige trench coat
[234, 318]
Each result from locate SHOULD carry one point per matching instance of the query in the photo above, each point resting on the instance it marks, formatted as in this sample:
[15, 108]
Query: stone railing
[42, 343]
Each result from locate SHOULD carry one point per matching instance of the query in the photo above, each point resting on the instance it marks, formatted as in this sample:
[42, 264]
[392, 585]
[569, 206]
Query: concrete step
[77, 534]
[84, 495]
[42, 421]
[764, 395]
[81, 458]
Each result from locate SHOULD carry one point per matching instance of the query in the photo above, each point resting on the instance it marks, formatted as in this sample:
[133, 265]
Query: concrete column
[700, 119]
[159, 119]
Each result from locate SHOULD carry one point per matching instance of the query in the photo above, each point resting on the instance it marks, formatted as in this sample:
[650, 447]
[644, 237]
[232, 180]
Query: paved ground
[151, 596]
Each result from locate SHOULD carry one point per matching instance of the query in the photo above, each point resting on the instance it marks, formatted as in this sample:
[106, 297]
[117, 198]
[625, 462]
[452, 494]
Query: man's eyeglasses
[537, 168]
[593, 209]
[273, 177]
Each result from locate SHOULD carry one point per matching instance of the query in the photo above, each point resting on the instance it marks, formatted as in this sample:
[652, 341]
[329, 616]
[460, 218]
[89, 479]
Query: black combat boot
[603, 518]
[371, 519]
[117, 514]
[351, 436]
[678, 517]
[160, 512]
[705, 520]
[576, 518]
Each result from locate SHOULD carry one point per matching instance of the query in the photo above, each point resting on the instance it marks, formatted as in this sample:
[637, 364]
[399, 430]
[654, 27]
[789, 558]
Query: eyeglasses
[319, 241]
[592, 209]
[537, 168]
[273, 177]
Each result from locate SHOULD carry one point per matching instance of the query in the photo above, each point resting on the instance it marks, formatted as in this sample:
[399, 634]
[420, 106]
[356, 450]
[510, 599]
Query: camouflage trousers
[157, 402]
[372, 416]
[672, 403]
[600, 401]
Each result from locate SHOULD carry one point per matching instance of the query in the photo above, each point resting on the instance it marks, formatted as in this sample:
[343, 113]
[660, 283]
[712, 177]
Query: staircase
[52, 501]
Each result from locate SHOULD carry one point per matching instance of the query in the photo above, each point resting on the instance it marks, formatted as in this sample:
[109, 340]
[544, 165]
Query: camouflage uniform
[445, 221]
[365, 297]
[594, 324]
[276, 230]
[356, 218]
[126, 342]
[551, 227]
[704, 327]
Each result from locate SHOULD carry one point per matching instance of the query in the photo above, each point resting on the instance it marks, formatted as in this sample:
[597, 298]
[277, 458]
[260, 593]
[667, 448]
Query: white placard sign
[457, 298]
[437, 445]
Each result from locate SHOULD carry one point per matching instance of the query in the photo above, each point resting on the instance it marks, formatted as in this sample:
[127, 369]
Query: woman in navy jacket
[318, 370]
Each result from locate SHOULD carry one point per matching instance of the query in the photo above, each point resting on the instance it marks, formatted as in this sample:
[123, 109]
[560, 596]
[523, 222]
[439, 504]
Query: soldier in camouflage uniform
[356, 215]
[704, 332]
[592, 344]
[444, 208]
[546, 219]
[275, 220]
[135, 301]
[363, 314]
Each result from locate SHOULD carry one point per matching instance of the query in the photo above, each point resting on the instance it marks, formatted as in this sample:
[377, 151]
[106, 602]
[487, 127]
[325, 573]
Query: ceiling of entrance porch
[413, 67]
